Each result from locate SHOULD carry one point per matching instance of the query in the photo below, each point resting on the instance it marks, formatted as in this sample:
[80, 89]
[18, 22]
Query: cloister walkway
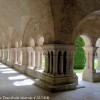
[16, 85]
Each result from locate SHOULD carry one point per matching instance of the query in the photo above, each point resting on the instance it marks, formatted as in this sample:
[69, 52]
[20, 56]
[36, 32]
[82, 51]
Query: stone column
[24, 56]
[38, 57]
[0, 54]
[16, 55]
[19, 56]
[89, 71]
[29, 59]
[33, 58]
[54, 77]
[8, 56]
[70, 62]
[12, 57]
[4, 59]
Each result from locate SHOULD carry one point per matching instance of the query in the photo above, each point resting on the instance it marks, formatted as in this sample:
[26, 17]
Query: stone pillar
[38, 57]
[29, 59]
[89, 71]
[8, 54]
[24, 56]
[19, 56]
[33, 58]
[4, 58]
[16, 55]
[70, 62]
[12, 57]
[58, 75]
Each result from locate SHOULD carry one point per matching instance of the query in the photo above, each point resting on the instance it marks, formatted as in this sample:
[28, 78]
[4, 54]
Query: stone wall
[67, 14]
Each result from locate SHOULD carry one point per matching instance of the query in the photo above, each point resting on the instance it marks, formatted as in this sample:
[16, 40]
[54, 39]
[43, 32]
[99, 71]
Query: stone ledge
[53, 88]
[58, 80]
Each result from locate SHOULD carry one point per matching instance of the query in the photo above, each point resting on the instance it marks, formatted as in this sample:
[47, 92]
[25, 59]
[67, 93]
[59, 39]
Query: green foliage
[79, 56]
[79, 42]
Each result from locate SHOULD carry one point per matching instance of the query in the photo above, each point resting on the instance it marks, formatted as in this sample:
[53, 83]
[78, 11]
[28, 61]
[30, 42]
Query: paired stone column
[12, 57]
[8, 54]
[58, 74]
[89, 71]
[24, 56]
[31, 57]
[38, 57]
[16, 55]
[0, 54]
[4, 57]
[19, 56]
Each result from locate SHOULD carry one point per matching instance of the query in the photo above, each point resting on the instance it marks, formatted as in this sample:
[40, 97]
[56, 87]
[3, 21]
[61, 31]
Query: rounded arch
[86, 39]
[32, 30]
[89, 24]
[98, 42]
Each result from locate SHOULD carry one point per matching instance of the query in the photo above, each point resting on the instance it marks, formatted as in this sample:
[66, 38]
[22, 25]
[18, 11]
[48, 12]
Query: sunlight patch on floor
[3, 66]
[5, 72]
[7, 69]
[24, 82]
[17, 77]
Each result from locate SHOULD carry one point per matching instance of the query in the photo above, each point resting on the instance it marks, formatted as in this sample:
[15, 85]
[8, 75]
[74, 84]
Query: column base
[57, 88]
[10, 64]
[88, 75]
[57, 83]
[21, 68]
[4, 61]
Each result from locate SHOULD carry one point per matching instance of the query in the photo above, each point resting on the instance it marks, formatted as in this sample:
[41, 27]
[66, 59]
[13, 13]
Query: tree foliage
[79, 42]
[79, 56]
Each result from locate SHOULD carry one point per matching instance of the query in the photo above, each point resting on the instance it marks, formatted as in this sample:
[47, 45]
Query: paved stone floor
[16, 85]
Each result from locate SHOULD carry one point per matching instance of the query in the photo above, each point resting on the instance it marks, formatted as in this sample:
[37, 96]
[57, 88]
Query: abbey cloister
[37, 38]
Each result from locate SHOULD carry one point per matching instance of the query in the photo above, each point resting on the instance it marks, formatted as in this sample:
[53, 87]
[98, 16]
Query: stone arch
[87, 40]
[89, 25]
[98, 43]
[31, 31]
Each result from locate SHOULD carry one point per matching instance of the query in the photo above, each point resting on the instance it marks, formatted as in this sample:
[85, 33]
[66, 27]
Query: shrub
[79, 56]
